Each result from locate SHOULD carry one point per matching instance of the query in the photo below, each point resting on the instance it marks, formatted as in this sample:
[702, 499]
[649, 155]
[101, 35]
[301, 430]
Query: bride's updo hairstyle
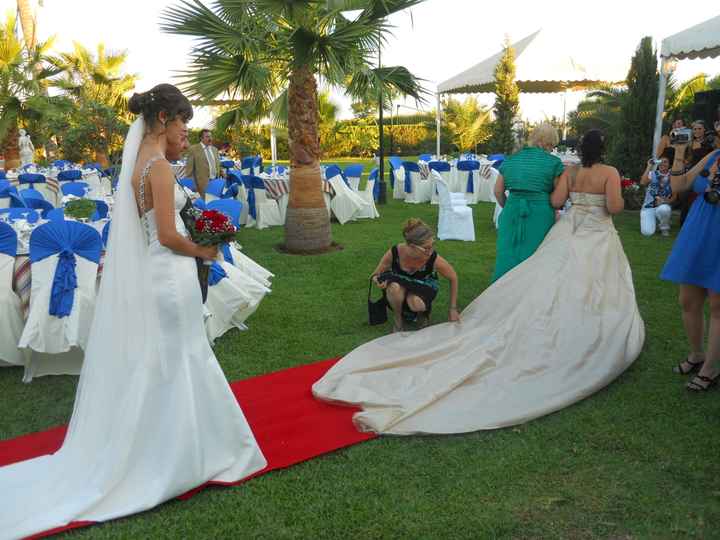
[416, 232]
[592, 147]
[162, 98]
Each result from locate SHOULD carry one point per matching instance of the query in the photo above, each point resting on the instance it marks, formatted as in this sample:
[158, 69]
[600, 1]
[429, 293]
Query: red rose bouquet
[207, 228]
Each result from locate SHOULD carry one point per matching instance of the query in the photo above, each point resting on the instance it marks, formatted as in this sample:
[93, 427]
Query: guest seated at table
[658, 198]
[408, 274]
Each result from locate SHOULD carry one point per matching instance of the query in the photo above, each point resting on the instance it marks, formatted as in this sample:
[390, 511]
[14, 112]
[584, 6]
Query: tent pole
[660, 107]
[437, 127]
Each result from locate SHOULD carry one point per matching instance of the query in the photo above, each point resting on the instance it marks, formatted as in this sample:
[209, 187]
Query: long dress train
[154, 415]
[552, 331]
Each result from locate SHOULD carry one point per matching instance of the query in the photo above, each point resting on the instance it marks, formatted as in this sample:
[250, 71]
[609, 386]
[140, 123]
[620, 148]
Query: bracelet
[677, 173]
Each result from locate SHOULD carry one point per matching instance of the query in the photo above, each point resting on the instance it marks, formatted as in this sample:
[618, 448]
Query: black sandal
[694, 366]
[695, 386]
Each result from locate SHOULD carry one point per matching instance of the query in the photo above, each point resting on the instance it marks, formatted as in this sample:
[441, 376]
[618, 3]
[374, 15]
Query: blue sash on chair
[226, 253]
[470, 167]
[8, 240]
[216, 274]
[66, 239]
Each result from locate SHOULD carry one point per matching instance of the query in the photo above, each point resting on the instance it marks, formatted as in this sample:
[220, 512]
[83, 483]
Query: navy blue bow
[216, 274]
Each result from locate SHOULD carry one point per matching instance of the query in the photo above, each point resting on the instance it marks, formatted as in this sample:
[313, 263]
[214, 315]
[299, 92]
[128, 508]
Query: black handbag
[377, 310]
[203, 269]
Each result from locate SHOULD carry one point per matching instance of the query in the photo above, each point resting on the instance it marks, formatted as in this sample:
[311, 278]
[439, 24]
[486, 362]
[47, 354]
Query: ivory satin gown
[552, 331]
[154, 415]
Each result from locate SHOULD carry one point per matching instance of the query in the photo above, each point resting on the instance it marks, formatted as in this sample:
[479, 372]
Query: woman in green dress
[529, 211]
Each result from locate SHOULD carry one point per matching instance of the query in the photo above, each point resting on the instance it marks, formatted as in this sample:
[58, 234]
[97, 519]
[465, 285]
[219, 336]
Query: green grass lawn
[637, 460]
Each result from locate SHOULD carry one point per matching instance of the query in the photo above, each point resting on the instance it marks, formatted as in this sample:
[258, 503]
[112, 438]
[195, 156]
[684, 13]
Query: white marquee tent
[541, 66]
[699, 41]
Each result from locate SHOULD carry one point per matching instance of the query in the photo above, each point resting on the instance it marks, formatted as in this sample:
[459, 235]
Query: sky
[435, 40]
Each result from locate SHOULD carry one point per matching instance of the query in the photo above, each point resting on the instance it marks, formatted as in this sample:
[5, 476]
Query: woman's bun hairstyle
[416, 231]
[162, 98]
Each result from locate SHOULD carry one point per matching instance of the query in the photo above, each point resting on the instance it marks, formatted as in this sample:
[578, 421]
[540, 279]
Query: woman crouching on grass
[408, 274]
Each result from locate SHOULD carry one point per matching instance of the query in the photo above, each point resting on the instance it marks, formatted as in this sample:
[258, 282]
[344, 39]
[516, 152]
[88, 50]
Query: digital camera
[681, 136]
[712, 195]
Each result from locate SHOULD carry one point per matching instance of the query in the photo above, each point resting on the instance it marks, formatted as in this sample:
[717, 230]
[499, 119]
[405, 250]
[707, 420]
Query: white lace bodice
[148, 218]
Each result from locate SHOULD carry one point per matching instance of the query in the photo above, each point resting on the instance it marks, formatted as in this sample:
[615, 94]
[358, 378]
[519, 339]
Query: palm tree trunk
[28, 23]
[10, 149]
[307, 226]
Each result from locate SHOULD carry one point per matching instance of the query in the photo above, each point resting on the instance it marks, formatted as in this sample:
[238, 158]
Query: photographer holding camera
[659, 196]
[694, 264]
[700, 146]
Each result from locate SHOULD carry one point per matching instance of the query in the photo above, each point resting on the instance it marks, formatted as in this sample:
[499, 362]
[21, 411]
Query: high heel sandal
[694, 366]
[710, 382]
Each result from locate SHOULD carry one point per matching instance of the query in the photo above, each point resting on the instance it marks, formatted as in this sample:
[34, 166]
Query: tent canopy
[540, 67]
[699, 41]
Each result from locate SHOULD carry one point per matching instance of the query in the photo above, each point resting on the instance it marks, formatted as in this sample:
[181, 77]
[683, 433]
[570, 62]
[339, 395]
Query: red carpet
[289, 424]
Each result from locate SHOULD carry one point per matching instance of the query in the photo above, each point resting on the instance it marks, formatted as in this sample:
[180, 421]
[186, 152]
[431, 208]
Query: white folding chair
[420, 189]
[455, 219]
[225, 298]
[485, 183]
[249, 266]
[399, 187]
[10, 308]
[346, 204]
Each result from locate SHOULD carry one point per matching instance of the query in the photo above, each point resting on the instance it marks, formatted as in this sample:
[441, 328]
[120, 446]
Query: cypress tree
[631, 144]
[507, 101]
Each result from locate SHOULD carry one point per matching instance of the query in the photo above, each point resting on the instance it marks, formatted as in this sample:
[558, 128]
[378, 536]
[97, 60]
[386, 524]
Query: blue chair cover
[255, 183]
[101, 210]
[354, 171]
[215, 187]
[277, 168]
[110, 172]
[376, 187]
[395, 164]
[439, 166]
[8, 240]
[67, 239]
[95, 166]
[21, 213]
[72, 174]
[31, 178]
[227, 163]
[199, 203]
[27, 167]
[188, 183]
[229, 207]
[3, 176]
[469, 166]
[30, 193]
[231, 191]
[332, 171]
[79, 189]
[105, 233]
[216, 274]
[226, 253]
[409, 167]
[56, 214]
[6, 187]
[60, 163]
[233, 177]
[424, 157]
[15, 200]
[40, 204]
[252, 163]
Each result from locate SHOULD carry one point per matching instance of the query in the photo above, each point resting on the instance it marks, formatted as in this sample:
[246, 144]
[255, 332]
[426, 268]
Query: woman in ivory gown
[154, 416]
[555, 329]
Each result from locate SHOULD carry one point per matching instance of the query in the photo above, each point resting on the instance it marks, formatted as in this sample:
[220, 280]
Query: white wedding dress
[554, 330]
[154, 415]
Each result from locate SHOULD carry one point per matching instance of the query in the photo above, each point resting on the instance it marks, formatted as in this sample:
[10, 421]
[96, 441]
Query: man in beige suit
[203, 162]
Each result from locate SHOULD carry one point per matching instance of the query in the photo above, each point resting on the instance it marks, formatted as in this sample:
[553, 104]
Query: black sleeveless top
[425, 272]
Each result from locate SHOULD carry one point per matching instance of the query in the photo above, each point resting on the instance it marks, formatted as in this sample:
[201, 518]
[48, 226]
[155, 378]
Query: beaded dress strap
[141, 191]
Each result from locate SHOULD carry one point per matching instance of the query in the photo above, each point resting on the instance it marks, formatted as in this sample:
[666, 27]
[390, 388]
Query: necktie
[211, 161]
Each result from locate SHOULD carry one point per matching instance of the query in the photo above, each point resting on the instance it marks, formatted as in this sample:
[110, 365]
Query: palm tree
[28, 22]
[469, 123]
[255, 51]
[599, 110]
[680, 96]
[25, 75]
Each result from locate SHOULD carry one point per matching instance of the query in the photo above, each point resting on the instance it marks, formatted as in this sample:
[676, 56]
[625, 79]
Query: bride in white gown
[552, 331]
[154, 416]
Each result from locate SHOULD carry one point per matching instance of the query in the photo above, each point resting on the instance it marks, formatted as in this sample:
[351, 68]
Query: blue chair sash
[470, 167]
[216, 274]
[229, 207]
[105, 233]
[31, 178]
[73, 174]
[66, 239]
[8, 240]
[226, 253]
[408, 181]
